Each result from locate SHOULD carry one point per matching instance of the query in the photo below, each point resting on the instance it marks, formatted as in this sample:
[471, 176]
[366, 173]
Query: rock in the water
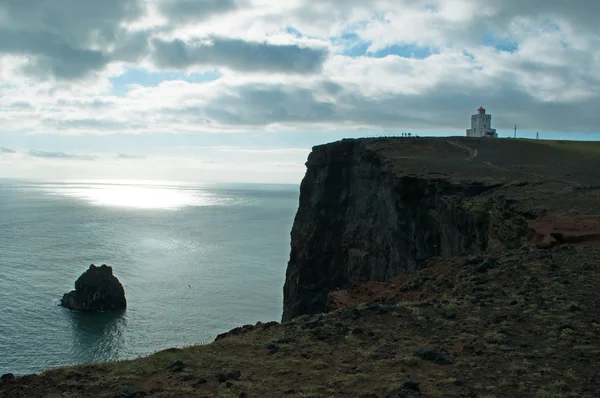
[97, 289]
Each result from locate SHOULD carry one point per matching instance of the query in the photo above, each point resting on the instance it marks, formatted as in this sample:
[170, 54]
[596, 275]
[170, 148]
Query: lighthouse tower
[481, 125]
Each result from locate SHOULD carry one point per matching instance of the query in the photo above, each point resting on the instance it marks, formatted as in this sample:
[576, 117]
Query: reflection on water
[136, 196]
[98, 336]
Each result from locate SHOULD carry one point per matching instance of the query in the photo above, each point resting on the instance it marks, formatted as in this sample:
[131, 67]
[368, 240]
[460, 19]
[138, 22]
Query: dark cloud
[263, 104]
[59, 155]
[239, 55]
[6, 150]
[182, 11]
[69, 39]
[79, 23]
[448, 106]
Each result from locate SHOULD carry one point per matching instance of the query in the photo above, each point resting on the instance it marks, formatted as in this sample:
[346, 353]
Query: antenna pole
[515, 131]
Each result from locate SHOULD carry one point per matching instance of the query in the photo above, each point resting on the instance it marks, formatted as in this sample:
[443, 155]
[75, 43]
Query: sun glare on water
[136, 196]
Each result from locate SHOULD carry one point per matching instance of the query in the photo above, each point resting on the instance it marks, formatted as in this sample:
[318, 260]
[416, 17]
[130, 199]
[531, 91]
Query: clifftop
[419, 268]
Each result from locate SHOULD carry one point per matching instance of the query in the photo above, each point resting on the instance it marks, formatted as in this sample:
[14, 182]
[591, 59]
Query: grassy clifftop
[585, 148]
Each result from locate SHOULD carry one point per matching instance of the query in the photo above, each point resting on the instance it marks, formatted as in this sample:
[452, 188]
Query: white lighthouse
[481, 125]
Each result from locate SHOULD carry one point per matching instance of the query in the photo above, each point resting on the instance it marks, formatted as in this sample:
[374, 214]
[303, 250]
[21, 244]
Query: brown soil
[566, 227]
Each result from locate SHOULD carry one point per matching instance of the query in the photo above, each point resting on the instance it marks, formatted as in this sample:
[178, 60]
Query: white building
[481, 125]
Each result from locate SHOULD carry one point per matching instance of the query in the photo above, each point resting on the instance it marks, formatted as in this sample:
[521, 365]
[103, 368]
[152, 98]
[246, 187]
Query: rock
[97, 289]
[411, 385]
[273, 348]
[223, 377]
[401, 393]
[269, 325]
[7, 378]
[432, 354]
[176, 366]
[485, 266]
[545, 255]
[127, 392]
[286, 340]
[588, 266]
[312, 324]
[472, 260]
[449, 315]
[28, 379]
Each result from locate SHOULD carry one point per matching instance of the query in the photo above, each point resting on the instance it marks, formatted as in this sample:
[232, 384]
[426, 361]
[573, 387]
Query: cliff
[445, 267]
[371, 209]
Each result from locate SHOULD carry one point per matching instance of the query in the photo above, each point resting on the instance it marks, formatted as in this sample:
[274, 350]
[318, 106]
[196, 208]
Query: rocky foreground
[419, 268]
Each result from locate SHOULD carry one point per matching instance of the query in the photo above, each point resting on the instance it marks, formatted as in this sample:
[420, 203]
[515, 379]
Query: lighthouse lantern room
[481, 125]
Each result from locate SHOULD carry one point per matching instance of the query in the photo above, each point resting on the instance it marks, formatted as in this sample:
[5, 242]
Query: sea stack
[97, 289]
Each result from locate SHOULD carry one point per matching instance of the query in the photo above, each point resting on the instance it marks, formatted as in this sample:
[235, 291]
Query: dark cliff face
[360, 220]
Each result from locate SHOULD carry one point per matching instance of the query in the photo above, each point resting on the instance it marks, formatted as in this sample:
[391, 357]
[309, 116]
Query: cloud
[7, 150]
[266, 151]
[297, 65]
[59, 155]
[239, 55]
[68, 39]
[183, 11]
[126, 156]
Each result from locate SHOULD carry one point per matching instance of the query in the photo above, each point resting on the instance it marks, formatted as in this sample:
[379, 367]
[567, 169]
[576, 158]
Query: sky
[240, 90]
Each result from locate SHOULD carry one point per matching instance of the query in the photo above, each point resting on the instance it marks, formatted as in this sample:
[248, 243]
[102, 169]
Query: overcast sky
[239, 90]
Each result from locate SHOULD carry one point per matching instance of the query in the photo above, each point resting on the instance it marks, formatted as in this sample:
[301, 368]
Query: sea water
[195, 260]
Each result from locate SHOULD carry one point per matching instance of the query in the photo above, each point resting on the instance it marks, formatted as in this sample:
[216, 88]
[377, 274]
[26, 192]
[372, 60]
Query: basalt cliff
[419, 267]
[372, 209]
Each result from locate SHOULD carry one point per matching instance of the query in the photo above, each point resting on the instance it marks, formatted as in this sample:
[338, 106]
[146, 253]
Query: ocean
[195, 260]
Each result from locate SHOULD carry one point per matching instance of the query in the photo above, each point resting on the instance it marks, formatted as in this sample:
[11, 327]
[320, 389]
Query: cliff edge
[371, 209]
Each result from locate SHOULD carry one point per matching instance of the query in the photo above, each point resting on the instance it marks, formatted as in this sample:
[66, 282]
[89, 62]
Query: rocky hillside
[419, 268]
